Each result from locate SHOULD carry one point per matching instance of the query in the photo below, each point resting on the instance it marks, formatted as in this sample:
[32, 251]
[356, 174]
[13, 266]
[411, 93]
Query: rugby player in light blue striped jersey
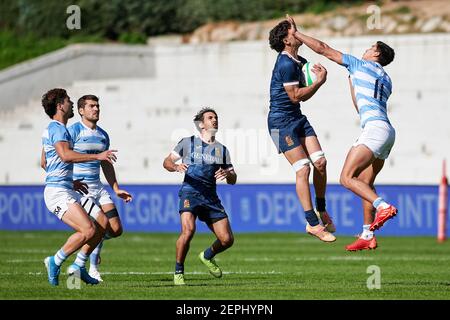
[59, 196]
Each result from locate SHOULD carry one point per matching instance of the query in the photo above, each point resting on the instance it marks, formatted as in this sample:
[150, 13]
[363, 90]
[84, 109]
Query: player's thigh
[369, 174]
[311, 144]
[77, 218]
[357, 160]
[222, 229]
[295, 154]
[187, 222]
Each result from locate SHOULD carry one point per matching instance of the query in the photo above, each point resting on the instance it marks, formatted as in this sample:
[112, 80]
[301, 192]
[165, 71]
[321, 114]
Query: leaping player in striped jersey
[89, 138]
[370, 86]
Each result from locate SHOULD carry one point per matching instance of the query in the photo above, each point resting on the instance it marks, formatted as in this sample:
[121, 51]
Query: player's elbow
[65, 158]
[296, 99]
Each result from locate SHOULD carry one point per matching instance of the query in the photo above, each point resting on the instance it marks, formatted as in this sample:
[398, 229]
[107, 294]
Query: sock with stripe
[179, 268]
[60, 257]
[81, 259]
[379, 203]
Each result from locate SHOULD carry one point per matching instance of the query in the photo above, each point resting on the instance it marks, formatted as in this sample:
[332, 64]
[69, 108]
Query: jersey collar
[290, 56]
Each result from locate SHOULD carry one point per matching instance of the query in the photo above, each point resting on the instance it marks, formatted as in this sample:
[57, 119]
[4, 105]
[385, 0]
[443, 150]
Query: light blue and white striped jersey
[372, 87]
[91, 141]
[59, 173]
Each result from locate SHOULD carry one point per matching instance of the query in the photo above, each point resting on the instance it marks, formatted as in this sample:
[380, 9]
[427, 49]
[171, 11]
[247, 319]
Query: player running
[88, 138]
[204, 160]
[60, 198]
[370, 87]
[290, 129]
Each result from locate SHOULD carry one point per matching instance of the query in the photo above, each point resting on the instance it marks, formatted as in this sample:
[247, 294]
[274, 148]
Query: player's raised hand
[108, 155]
[123, 194]
[80, 187]
[182, 167]
[320, 72]
[221, 174]
[291, 21]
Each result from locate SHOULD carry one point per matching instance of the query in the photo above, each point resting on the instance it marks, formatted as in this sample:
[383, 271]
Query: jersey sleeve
[74, 133]
[350, 62]
[107, 143]
[59, 134]
[289, 73]
[227, 160]
[180, 149]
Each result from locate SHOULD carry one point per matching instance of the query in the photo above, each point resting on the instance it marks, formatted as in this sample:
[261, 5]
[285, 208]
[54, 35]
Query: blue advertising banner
[251, 208]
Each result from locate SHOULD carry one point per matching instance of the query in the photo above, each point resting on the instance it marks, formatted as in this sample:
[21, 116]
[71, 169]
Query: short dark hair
[387, 54]
[82, 101]
[51, 99]
[199, 117]
[277, 35]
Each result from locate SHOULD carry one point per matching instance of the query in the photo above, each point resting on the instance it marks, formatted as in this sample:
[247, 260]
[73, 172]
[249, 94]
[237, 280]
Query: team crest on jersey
[186, 203]
[289, 141]
[218, 151]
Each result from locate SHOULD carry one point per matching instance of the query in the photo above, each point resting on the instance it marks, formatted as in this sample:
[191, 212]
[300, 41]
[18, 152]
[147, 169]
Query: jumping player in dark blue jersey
[204, 161]
[291, 131]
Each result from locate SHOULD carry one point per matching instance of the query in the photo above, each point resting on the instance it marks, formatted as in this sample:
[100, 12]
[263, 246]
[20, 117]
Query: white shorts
[57, 200]
[98, 197]
[379, 137]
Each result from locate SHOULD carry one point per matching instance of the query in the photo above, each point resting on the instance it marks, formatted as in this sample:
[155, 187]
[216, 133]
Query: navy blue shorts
[207, 210]
[286, 132]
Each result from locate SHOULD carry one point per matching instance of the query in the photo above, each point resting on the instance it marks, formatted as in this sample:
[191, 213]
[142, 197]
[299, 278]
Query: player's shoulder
[75, 126]
[102, 131]
[54, 126]
[284, 60]
[187, 139]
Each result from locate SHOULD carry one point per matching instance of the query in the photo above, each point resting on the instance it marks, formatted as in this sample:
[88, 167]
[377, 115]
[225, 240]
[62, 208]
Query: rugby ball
[308, 75]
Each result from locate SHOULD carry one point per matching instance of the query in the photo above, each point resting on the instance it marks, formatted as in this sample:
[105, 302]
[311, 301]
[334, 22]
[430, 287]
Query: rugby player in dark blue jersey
[204, 161]
[291, 131]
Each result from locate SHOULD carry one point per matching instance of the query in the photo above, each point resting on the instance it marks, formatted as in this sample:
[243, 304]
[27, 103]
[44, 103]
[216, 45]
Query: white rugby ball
[309, 76]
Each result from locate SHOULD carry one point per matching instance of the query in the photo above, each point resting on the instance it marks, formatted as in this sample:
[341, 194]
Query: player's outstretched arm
[110, 175]
[316, 45]
[68, 155]
[170, 165]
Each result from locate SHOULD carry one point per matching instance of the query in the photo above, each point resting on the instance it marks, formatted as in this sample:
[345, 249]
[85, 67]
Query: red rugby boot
[382, 216]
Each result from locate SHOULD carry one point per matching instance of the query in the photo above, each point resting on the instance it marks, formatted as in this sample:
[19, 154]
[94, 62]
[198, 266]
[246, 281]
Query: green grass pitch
[265, 266]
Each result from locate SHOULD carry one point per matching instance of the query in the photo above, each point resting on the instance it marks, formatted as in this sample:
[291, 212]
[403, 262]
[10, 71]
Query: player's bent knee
[227, 241]
[301, 164]
[303, 172]
[89, 232]
[344, 180]
[319, 160]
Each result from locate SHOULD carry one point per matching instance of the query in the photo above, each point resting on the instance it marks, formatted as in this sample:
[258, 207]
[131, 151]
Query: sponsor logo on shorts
[289, 141]
[57, 210]
[186, 203]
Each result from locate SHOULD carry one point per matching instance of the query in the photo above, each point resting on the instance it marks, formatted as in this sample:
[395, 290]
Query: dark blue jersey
[287, 71]
[203, 161]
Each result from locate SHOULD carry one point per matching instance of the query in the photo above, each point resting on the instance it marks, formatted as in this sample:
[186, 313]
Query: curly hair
[277, 35]
[51, 99]
[199, 117]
